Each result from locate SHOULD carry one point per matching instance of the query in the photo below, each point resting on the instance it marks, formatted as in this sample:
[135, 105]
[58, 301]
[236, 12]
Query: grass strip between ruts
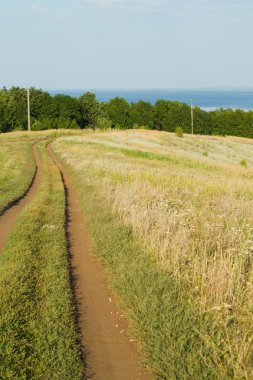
[38, 338]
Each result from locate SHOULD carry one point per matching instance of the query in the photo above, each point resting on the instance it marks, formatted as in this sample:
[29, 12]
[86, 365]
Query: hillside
[141, 255]
[187, 202]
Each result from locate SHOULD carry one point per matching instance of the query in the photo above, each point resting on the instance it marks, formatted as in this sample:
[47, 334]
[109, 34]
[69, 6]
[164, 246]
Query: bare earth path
[110, 353]
[9, 217]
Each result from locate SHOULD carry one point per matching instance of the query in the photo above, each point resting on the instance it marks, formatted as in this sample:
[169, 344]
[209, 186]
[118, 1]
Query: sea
[207, 99]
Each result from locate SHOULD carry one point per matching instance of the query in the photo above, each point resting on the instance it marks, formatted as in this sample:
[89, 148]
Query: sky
[126, 44]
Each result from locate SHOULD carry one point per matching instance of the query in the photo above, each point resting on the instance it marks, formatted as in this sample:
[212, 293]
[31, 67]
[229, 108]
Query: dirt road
[110, 353]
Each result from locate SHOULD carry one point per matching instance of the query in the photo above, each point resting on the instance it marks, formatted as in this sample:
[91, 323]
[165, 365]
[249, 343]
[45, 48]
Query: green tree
[169, 114]
[142, 113]
[90, 110]
[62, 111]
[5, 126]
[119, 111]
[68, 108]
[202, 122]
[42, 105]
[16, 108]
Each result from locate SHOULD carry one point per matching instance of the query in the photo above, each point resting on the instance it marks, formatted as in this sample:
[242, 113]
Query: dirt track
[110, 355]
[9, 216]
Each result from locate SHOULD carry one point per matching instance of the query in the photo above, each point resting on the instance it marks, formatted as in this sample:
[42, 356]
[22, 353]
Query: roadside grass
[176, 240]
[37, 329]
[17, 168]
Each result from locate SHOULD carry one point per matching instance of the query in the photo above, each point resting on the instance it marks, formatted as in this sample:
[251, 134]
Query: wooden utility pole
[28, 110]
[192, 118]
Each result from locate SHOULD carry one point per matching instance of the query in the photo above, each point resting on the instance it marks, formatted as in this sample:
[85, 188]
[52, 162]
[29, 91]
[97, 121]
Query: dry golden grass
[194, 212]
[198, 219]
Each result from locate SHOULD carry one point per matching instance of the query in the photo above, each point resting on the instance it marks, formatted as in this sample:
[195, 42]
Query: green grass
[37, 329]
[188, 163]
[17, 167]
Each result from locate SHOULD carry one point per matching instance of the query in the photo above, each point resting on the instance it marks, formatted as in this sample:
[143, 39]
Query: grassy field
[17, 169]
[172, 219]
[17, 161]
[38, 334]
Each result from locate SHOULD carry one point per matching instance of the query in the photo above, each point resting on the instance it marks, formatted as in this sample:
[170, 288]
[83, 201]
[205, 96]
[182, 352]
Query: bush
[37, 125]
[63, 123]
[179, 132]
[243, 163]
[103, 123]
[43, 124]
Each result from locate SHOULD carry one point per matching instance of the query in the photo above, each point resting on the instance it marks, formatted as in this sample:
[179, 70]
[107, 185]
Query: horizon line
[153, 89]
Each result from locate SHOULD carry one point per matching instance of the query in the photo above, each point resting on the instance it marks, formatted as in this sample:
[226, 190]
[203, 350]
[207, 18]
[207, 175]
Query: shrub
[63, 123]
[37, 125]
[243, 163]
[43, 124]
[179, 132]
[103, 123]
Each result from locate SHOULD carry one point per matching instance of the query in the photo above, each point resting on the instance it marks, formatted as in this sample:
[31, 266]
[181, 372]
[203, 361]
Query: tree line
[63, 111]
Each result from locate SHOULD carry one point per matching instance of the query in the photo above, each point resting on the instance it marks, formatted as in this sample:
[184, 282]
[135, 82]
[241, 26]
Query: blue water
[205, 99]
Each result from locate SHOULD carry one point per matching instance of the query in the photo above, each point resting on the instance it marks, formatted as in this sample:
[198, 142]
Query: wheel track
[109, 352]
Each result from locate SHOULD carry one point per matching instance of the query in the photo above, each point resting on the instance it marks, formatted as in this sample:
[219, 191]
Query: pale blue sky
[102, 44]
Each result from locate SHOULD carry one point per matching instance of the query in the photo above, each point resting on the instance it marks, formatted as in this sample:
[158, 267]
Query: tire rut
[109, 352]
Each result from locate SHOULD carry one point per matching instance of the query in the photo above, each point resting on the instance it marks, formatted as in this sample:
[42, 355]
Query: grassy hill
[172, 219]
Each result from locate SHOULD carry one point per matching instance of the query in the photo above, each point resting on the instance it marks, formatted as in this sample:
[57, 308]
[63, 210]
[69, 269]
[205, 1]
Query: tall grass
[37, 331]
[17, 168]
[194, 219]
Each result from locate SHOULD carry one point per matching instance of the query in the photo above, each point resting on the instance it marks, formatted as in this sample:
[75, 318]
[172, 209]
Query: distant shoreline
[206, 99]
